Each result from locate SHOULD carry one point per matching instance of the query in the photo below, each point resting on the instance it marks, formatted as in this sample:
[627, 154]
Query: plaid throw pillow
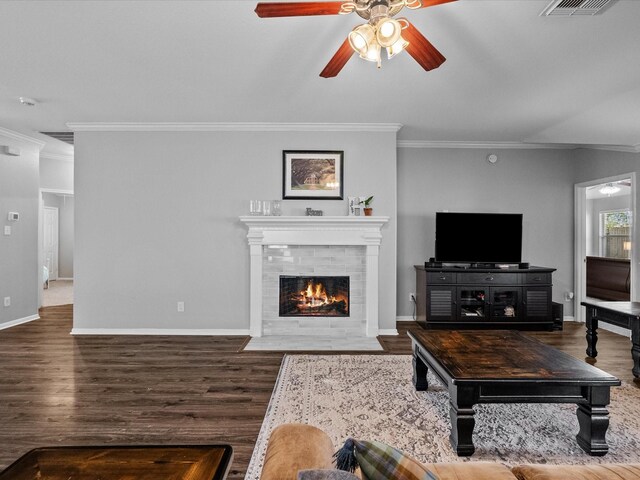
[378, 460]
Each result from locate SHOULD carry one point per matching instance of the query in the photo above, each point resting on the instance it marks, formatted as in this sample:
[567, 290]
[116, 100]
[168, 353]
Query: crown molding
[21, 137]
[613, 148]
[325, 127]
[516, 145]
[61, 157]
[233, 127]
[486, 145]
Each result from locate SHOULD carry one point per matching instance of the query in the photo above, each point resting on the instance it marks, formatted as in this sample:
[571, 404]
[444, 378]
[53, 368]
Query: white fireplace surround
[326, 231]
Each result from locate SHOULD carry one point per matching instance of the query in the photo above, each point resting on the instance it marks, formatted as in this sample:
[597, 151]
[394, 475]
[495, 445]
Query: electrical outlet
[181, 306]
[568, 296]
[7, 301]
[412, 297]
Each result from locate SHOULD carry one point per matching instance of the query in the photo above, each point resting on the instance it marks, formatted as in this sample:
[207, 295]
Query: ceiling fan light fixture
[373, 54]
[609, 189]
[361, 38]
[388, 32]
[396, 48]
[381, 30]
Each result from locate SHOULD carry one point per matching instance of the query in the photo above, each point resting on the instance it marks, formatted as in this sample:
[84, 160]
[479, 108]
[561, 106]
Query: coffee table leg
[594, 421]
[592, 333]
[635, 350]
[462, 420]
[420, 370]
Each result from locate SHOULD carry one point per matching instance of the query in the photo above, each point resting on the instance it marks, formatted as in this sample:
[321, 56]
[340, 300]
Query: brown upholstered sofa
[294, 447]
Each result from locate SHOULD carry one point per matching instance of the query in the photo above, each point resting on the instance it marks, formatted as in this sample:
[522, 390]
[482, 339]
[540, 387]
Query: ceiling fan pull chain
[347, 8]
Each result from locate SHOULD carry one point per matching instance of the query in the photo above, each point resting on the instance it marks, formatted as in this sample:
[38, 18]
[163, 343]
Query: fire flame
[315, 296]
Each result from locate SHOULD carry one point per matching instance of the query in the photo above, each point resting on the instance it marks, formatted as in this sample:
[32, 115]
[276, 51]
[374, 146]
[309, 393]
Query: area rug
[371, 397]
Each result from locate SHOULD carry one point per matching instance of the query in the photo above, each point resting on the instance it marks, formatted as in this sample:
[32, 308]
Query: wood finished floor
[57, 389]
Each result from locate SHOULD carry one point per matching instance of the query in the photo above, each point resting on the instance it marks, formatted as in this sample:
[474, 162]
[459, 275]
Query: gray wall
[19, 273]
[157, 220]
[536, 183]
[65, 206]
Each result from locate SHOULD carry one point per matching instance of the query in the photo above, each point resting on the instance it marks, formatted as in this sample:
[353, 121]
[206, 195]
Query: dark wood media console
[484, 298]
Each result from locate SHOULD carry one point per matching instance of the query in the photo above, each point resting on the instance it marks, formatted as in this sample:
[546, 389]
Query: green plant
[367, 201]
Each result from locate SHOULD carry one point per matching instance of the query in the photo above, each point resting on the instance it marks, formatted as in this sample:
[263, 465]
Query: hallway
[60, 292]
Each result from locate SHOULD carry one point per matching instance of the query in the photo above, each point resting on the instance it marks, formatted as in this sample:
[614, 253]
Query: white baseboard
[387, 331]
[243, 332]
[566, 318]
[63, 278]
[19, 321]
[625, 332]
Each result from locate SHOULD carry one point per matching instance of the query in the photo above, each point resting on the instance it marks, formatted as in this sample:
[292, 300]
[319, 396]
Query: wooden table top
[192, 462]
[505, 356]
[627, 308]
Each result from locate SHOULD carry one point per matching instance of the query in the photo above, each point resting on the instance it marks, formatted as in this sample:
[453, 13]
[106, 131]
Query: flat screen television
[478, 237]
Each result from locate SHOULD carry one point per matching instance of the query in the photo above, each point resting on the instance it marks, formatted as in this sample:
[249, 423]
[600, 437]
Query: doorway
[56, 245]
[51, 242]
[605, 230]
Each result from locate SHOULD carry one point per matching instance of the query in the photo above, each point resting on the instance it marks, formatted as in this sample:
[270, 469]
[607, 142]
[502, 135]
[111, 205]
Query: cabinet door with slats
[537, 304]
[440, 304]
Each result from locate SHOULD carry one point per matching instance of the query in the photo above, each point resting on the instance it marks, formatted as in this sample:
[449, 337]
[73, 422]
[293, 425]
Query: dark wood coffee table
[185, 462]
[510, 367]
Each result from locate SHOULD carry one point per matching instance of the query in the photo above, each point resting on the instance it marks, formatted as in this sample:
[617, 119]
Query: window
[615, 234]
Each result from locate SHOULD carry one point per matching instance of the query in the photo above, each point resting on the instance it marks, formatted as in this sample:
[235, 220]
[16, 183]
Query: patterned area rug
[371, 397]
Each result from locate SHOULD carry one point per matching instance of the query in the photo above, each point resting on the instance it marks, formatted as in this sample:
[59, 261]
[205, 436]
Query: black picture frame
[312, 174]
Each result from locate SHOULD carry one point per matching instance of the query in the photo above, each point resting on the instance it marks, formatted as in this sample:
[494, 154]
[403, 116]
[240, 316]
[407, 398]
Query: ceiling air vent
[567, 8]
[63, 136]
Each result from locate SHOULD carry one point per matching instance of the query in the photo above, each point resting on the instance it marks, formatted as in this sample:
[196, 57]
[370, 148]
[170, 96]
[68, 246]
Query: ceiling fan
[610, 188]
[381, 31]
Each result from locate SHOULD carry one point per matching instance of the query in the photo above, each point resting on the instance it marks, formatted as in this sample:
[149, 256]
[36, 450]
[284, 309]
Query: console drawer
[537, 278]
[434, 278]
[488, 278]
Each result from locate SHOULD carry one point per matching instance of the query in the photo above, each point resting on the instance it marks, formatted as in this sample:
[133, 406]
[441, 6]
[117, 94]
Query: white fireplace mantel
[330, 230]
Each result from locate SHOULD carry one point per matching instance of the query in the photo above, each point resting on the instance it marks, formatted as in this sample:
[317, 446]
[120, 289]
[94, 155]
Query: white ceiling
[510, 75]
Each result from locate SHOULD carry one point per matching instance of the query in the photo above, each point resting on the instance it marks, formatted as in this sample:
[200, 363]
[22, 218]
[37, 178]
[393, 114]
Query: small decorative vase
[368, 211]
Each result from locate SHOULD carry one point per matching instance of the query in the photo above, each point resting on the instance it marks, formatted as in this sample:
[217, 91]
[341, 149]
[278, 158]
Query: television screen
[478, 237]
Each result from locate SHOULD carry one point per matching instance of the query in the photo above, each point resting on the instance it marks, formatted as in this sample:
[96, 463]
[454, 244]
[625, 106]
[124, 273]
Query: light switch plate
[7, 229]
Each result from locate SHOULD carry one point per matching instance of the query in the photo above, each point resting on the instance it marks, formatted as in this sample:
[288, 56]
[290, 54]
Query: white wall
[536, 183]
[19, 273]
[157, 220]
[56, 174]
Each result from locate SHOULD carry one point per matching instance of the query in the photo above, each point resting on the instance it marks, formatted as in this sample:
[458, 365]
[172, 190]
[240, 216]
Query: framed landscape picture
[312, 174]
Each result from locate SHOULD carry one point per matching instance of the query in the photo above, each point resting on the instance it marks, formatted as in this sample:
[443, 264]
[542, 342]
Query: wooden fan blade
[338, 61]
[421, 49]
[433, 3]
[297, 9]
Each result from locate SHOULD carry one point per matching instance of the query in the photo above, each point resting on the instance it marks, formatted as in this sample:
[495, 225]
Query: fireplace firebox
[316, 296]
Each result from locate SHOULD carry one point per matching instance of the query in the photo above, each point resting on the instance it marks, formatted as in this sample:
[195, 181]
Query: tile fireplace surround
[318, 245]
